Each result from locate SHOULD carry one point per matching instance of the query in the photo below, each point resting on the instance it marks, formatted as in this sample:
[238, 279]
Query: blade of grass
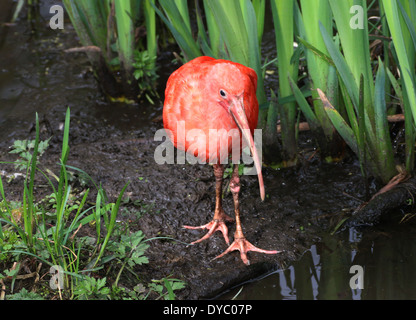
[396, 86]
[78, 215]
[28, 199]
[355, 45]
[63, 177]
[410, 133]
[97, 217]
[216, 45]
[177, 25]
[321, 71]
[125, 35]
[304, 106]
[339, 123]
[3, 195]
[260, 10]
[283, 19]
[250, 20]
[313, 13]
[89, 19]
[385, 148]
[408, 121]
[229, 18]
[408, 30]
[203, 38]
[361, 129]
[151, 39]
[171, 295]
[236, 25]
[60, 221]
[341, 65]
[316, 51]
[111, 224]
[394, 23]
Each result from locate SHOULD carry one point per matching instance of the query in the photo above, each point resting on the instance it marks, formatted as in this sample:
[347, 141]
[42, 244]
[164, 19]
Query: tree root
[19, 277]
[399, 192]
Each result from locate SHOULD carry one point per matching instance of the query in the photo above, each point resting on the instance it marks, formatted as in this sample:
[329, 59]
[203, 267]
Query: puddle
[329, 269]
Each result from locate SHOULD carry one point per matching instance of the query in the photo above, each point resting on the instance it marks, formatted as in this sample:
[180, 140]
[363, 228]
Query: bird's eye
[223, 93]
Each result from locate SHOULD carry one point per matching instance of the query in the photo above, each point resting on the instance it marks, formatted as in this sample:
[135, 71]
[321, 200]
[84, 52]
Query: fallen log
[383, 203]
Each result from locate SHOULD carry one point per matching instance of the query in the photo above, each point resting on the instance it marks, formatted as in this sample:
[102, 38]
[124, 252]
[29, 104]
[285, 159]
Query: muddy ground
[114, 143]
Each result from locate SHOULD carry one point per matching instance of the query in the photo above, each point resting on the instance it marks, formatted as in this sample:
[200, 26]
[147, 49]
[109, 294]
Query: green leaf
[397, 34]
[339, 123]
[24, 295]
[304, 106]
[110, 226]
[341, 65]
[385, 149]
[177, 22]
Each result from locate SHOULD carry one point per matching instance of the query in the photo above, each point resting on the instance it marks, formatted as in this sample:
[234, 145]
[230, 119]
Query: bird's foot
[242, 245]
[214, 225]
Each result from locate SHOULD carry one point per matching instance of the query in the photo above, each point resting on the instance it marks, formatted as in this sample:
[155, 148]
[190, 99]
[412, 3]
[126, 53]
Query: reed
[401, 20]
[176, 17]
[321, 74]
[366, 129]
[89, 19]
[283, 19]
[123, 11]
[231, 32]
[238, 24]
[109, 27]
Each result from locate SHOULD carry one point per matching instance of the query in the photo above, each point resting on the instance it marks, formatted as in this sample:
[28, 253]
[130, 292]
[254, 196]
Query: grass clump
[45, 236]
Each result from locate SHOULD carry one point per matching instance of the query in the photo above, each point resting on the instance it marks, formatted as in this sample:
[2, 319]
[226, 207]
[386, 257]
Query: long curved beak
[236, 109]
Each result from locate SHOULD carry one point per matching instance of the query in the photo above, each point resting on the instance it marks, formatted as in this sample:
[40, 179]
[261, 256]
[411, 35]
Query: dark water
[328, 270]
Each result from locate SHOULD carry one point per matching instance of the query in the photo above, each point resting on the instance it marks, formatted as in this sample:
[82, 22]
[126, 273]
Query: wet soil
[114, 143]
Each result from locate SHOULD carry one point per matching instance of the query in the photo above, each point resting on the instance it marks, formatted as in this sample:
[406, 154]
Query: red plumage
[192, 95]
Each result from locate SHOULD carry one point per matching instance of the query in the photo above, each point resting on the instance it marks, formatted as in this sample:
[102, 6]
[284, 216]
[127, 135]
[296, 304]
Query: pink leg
[240, 243]
[218, 222]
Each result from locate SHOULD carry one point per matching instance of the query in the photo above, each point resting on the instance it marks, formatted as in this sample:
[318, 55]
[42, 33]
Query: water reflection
[386, 255]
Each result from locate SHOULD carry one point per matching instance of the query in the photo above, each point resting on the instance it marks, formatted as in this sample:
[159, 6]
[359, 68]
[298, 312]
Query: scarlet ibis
[208, 95]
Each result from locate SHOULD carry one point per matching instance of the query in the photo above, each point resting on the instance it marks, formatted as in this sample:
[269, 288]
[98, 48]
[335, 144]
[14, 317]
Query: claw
[214, 225]
[242, 245]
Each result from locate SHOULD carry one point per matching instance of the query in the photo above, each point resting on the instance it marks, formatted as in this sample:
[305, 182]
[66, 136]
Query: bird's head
[236, 93]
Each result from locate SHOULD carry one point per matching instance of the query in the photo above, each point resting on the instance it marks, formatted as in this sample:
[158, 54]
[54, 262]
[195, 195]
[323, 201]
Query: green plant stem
[150, 20]
[283, 13]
